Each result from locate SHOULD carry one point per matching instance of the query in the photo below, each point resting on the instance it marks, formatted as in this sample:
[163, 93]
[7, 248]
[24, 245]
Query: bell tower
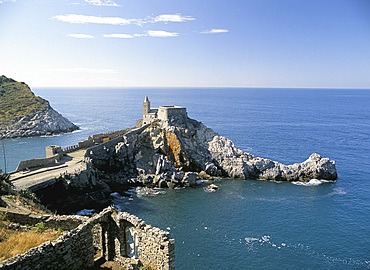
[146, 106]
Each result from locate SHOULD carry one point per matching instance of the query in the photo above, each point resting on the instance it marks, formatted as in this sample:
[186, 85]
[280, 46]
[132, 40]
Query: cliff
[22, 114]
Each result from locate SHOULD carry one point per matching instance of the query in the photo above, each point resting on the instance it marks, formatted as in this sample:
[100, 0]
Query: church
[163, 113]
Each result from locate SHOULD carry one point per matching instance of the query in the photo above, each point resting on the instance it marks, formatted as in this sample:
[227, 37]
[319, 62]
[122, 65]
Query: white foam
[79, 130]
[266, 238]
[277, 182]
[51, 135]
[209, 190]
[250, 239]
[312, 182]
[337, 191]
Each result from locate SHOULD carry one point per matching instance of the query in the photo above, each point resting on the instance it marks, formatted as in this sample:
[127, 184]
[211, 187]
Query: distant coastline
[22, 114]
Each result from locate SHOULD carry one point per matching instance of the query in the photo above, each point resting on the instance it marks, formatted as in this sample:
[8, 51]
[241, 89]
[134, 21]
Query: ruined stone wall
[73, 250]
[103, 236]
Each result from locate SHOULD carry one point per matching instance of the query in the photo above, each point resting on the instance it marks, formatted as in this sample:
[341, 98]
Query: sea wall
[37, 162]
[110, 235]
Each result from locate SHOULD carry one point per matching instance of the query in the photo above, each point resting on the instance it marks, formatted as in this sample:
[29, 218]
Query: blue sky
[207, 43]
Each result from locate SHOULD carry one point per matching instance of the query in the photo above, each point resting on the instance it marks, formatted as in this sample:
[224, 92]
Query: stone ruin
[108, 236]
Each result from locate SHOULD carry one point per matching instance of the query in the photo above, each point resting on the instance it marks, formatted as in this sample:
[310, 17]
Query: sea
[245, 224]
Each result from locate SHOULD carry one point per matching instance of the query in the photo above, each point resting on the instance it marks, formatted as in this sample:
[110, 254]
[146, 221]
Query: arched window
[132, 243]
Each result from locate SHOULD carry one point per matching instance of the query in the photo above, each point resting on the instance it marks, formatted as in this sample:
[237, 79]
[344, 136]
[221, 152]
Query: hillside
[22, 114]
[17, 100]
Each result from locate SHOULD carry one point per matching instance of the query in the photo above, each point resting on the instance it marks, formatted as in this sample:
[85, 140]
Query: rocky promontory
[178, 151]
[22, 114]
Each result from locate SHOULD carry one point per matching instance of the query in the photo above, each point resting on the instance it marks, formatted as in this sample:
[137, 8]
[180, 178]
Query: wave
[79, 130]
[312, 182]
[337, 191]
[51, 135]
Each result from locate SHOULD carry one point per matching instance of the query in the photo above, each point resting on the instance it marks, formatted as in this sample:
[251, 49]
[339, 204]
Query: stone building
[162, 113]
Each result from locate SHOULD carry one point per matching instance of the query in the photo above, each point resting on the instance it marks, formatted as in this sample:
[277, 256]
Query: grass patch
[18, 240]
[17, 101]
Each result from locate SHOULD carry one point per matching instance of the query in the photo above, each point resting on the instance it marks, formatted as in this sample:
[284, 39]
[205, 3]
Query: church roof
[146, 99]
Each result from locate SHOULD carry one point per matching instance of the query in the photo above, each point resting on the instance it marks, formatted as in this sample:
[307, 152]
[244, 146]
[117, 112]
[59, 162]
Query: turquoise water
[247, 224]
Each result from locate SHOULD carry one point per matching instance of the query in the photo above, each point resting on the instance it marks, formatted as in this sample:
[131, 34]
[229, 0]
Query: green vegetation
[40, 227]
[17, 101]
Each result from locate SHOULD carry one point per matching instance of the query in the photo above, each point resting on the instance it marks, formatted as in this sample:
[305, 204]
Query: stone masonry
[108, 236]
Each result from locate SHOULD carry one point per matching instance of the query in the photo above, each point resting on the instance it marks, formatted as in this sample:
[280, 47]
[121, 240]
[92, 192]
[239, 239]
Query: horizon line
[251, 87]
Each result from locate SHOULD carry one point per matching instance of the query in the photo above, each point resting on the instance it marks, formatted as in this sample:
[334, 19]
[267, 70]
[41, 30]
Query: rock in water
[22, 114]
